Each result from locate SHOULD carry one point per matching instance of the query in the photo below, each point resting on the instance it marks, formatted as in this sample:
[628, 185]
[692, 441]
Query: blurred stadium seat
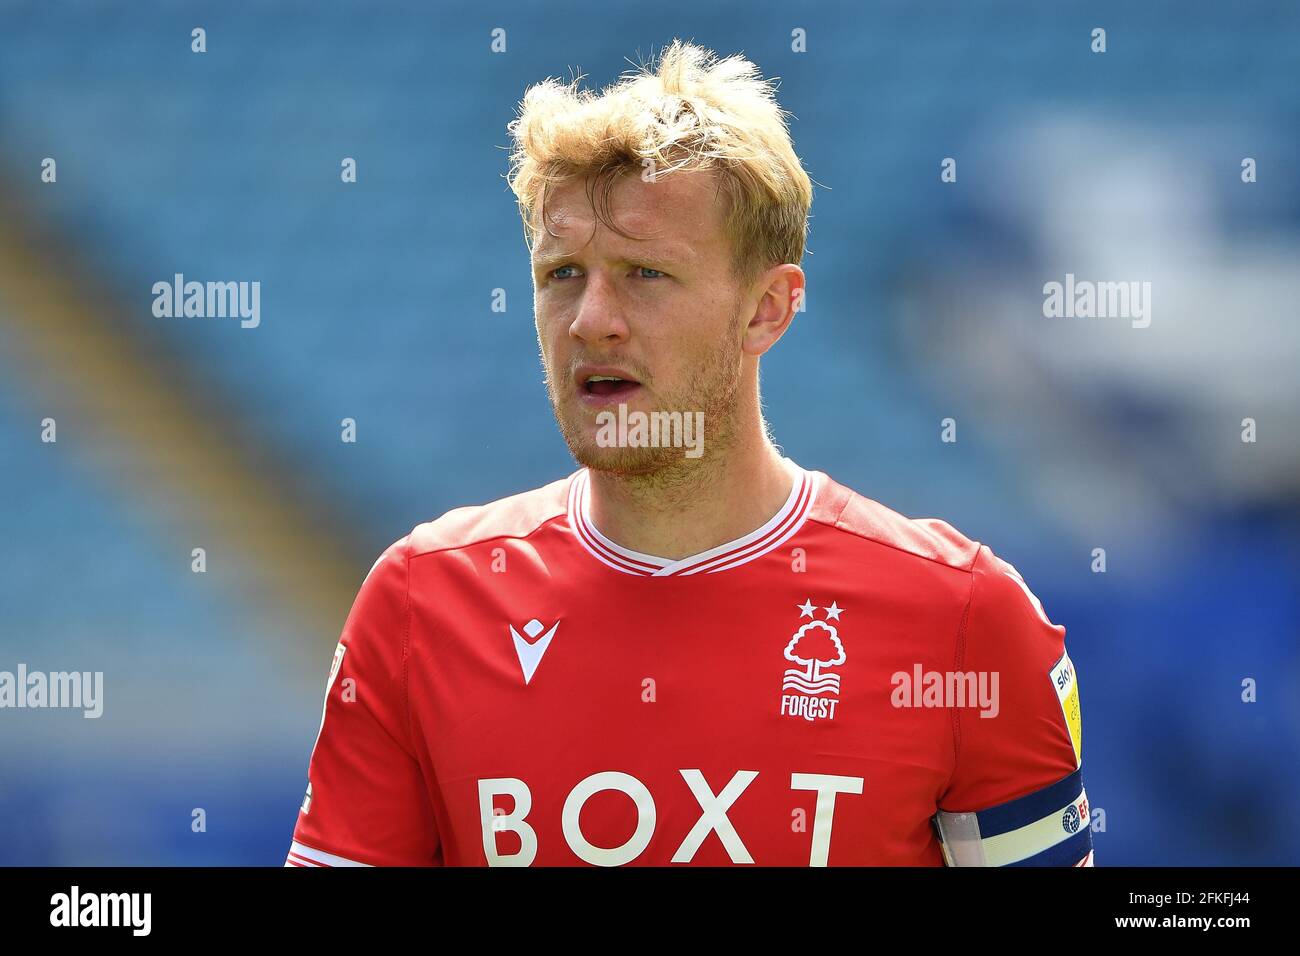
[924, 302]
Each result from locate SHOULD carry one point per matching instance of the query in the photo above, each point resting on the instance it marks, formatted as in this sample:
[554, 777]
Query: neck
[707, 502]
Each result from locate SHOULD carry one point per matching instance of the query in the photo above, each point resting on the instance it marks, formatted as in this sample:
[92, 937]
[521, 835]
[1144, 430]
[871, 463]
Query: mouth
[599, 387]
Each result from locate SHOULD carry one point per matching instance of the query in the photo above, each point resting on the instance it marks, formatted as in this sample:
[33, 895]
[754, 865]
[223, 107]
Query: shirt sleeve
[367, 802]
[1016, 794]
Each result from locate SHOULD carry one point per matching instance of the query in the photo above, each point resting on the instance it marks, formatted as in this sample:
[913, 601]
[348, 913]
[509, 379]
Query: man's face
[660, 312]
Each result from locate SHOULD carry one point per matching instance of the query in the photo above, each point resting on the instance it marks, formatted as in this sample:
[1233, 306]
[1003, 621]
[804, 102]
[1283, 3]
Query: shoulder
[996, 589]
[516, 516]
[874, 524]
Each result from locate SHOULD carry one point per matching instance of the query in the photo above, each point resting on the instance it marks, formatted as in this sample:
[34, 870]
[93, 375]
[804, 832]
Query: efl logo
[1075, 815]
[815, 646]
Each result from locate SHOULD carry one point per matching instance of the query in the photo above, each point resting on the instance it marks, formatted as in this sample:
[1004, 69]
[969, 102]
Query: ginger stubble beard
[719, 374]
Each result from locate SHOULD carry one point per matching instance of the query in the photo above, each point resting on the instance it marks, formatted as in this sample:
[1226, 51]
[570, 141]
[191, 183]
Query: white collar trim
[742, 550]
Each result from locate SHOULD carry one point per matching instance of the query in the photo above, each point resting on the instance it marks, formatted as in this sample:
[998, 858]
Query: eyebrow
[553, 260]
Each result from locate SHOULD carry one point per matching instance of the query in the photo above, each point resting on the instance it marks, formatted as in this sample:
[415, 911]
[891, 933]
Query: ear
[779, 293]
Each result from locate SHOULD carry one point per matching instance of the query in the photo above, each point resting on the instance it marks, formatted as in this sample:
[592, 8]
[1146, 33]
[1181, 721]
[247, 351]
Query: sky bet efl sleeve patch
[1066, 682]
[1049, 827]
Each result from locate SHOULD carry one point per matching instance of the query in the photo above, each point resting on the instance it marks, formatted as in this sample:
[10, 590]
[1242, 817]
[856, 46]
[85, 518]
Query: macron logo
[531, 648]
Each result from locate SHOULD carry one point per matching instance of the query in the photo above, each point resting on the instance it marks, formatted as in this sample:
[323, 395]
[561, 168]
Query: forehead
[681, 211]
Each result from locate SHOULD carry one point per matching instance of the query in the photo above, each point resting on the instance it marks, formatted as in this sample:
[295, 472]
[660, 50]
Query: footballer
[692, 650]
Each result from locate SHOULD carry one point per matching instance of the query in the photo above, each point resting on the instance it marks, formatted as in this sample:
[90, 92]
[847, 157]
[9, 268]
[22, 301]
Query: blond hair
[687, 111]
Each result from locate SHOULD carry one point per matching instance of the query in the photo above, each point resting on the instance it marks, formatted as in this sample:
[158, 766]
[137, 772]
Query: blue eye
[656, 272]
[555, 275]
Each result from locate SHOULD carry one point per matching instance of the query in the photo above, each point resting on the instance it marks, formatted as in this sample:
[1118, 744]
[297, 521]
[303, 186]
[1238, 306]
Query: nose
[600, 317]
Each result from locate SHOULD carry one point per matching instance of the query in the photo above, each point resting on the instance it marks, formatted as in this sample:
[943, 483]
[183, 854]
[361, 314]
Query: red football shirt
[842, 686]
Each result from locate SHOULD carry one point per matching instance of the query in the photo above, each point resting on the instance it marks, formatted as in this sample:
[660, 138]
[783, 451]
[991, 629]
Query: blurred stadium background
[925, 302]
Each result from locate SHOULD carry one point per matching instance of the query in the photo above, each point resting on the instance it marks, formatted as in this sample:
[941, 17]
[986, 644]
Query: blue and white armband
[1049, 827]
